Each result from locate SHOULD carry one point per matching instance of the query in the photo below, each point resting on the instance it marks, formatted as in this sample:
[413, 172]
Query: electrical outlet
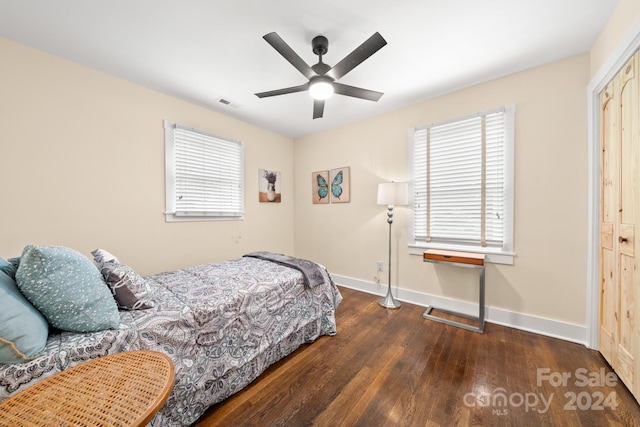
[380, 266]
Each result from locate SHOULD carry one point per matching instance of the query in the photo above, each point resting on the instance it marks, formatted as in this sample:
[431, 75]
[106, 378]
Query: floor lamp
[391, 194]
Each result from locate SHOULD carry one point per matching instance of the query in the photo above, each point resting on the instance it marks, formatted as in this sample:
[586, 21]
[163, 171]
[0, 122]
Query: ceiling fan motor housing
[320, 45]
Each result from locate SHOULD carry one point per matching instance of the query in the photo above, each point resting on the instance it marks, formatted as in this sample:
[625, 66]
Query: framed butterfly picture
[320, 187]
[339, 183]
[331, 186]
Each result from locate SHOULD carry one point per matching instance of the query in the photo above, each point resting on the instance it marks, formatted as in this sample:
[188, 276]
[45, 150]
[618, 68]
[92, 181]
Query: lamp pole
[388, 301]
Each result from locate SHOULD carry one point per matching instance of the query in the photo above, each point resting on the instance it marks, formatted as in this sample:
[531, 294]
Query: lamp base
[389, 301]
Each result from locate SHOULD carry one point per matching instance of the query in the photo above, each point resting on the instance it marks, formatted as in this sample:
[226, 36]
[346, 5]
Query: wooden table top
[453, 256]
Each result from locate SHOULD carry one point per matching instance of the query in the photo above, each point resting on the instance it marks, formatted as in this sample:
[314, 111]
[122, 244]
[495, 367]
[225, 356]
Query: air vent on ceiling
[227, 103]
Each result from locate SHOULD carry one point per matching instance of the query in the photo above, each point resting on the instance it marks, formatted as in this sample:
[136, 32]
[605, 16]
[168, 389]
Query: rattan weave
[124, 389]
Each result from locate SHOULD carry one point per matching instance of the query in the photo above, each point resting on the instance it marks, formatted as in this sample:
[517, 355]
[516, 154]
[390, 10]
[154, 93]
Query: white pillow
[100, 256]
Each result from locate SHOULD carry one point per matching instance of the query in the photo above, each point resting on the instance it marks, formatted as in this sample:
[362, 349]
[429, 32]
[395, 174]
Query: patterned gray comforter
[222, 325]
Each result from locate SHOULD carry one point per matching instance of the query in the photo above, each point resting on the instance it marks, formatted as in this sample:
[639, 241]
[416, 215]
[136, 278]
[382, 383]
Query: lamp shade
[393, 193]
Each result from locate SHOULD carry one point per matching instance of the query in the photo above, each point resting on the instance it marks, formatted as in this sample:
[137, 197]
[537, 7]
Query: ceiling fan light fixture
[321, 88]
[322, 77]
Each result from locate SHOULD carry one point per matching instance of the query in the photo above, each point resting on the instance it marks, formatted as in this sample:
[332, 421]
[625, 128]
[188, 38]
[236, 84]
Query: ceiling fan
[322, 77]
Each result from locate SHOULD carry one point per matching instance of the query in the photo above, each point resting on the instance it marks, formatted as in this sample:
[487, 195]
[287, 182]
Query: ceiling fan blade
[318, 108]
[284, 91]
[289, 54]
[356, 92]
[355, 58]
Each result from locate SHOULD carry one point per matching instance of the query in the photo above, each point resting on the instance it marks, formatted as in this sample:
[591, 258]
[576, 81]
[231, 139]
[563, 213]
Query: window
[462, 185]
[204, 175]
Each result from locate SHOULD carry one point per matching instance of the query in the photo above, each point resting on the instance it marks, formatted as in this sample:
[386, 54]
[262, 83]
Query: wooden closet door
[629, 215]
[620, 215]
[609, 166]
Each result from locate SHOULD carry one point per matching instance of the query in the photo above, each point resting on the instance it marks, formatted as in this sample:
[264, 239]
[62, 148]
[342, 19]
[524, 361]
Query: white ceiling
[204, 50]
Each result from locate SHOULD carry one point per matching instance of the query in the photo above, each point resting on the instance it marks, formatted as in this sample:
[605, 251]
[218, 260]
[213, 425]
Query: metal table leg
[480, 319]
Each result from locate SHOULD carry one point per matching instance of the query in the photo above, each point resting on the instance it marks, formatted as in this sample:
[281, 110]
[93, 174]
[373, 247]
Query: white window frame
[233, 208]
[503, 254]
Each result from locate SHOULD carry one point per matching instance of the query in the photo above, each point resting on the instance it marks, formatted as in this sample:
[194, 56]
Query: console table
[123, 389]
[459, 259]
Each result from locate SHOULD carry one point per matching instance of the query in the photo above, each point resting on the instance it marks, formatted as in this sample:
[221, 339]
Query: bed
[222, 324]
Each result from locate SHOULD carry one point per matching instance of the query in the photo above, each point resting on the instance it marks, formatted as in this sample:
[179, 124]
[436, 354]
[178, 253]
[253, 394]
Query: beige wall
[626, 15]
[549, 275]
[83, 166]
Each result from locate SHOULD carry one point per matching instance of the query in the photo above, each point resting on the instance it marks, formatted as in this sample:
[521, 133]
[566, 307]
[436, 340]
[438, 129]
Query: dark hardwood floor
[394, 368]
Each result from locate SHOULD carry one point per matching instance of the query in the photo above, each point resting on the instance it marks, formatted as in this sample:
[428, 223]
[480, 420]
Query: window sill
[195, 218]
[493, 255]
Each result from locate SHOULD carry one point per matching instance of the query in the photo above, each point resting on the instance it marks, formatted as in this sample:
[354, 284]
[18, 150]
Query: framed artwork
[269, 186]
[340, 185]
[320, 187]
[331, 186]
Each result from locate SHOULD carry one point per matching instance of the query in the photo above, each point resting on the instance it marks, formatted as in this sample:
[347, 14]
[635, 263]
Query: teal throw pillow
[67, 289]
[8, 268]
[23, 330]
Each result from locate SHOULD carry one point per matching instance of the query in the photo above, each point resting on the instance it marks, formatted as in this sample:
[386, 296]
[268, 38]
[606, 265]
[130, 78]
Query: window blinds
[459, 181]
[208, 174]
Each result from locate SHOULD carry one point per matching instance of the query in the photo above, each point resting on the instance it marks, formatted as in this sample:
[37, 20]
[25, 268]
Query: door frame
[607, 71]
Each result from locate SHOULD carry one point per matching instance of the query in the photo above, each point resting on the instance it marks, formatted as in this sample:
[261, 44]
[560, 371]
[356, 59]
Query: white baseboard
[539, 325]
